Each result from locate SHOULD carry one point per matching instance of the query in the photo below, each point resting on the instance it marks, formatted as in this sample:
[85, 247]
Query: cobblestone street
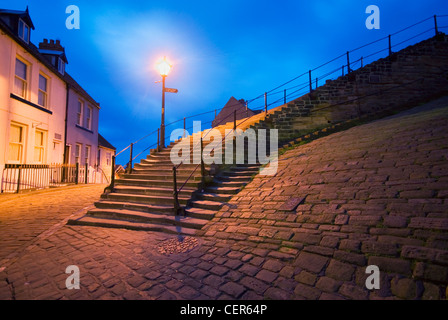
[376, 194]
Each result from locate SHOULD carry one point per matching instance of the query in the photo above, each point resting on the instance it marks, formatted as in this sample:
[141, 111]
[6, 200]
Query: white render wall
[31, 118]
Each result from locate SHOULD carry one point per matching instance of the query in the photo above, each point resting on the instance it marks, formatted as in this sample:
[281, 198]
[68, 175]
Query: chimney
[52, 45]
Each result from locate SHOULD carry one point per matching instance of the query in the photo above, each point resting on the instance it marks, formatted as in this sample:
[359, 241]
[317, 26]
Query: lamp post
[164, 68]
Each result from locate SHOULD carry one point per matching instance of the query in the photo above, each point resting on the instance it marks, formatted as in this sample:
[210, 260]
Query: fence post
[343, 70]
[185, 128]
[175, 194]
[234, 122]
[362, 62]
[247, 109]
[348, 62]
[158, 139]
[317, 79]
[311, 84]
[112, 177]
[266, 102]
[130, 158]
[77, 173]
[86, 173]
[435, 25]
[390, 45]
[202, 166]
[284, 96]
[18, 179]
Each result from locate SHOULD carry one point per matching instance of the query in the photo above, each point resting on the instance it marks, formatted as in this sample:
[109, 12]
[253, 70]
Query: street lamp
[164, 68]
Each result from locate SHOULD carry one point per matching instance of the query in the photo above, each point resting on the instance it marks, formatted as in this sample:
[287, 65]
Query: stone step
[239, 173]
[245, 167]
[241, 179]
[158, 209]
[151, 190]
[156, 183]
[162, 171]
[154, 208]
[138, 216]
[154, 177]
[167, 166]
[137, 198]
[219, 183]
[200, 213]
[206, 204]
[165, 162]
[141, 226]
[214, 197]
[223, 190]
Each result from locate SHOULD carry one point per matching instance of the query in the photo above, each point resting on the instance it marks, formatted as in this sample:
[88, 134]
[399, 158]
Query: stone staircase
[143, 199]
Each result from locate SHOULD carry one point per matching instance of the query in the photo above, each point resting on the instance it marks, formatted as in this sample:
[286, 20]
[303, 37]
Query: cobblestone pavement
[376, 194]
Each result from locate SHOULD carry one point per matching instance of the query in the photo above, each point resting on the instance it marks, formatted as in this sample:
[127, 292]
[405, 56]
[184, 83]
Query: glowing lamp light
[163, 67]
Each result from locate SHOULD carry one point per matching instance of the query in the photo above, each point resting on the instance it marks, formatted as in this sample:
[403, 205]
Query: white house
[46, 117]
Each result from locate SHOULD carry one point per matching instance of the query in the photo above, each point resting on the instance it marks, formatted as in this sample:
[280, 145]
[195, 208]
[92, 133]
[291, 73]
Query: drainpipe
[66, 124]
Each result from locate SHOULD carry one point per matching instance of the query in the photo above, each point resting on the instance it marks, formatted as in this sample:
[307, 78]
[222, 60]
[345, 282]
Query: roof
[226, 113]
[77, 87]
[102, 142]
[24, 15]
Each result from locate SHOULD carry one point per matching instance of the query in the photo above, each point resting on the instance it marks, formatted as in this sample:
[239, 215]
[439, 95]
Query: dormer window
[24, 31]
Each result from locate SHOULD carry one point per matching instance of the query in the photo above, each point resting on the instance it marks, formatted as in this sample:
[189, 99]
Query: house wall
[105, 161]
[80, 134]
[31, 118]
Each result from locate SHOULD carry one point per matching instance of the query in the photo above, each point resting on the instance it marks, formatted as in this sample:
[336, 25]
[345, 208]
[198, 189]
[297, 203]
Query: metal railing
[309, 80]
[20, 177]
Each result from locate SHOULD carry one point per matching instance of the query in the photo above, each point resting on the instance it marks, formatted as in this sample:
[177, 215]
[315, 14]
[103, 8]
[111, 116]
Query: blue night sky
[218, 48]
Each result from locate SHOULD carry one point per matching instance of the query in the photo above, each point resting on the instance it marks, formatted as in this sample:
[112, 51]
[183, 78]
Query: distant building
[46, 117]
[105, 153]
[227, 113]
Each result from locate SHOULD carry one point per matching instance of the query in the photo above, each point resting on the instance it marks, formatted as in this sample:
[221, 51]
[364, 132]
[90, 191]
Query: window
[43, 91]
[16, 143]
[61, 66]
[24, 31]
[87, 155]
[108, 158]
[78, 153]
[20, 80]
[80, 113]
[39, 146]
[88, 123]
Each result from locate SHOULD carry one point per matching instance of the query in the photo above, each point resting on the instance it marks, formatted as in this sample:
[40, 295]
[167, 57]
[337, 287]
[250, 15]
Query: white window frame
[20, 143]
[24, 82]
[88, 122]
[41, 147]
[87, 151]
[61, 66]
[25, 26]
[78, 153]
[42, 92]
[80, 112]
